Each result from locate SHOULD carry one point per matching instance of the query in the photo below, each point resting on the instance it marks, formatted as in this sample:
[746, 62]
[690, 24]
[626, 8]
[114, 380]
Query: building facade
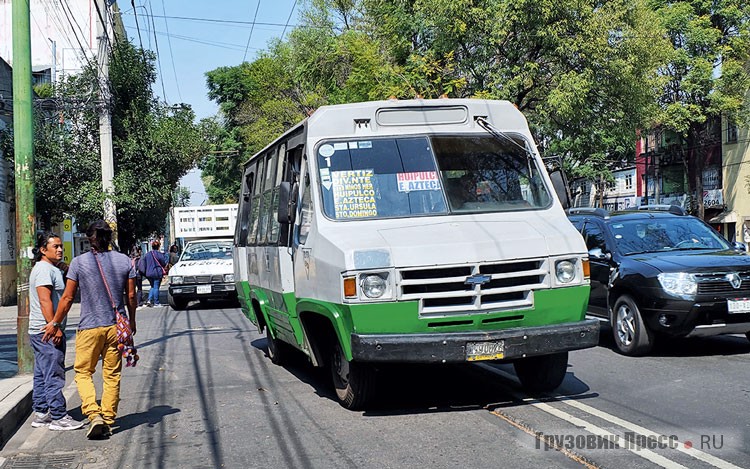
[735, 219]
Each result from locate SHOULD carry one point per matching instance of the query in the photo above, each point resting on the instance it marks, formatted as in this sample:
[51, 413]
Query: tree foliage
[586, 74]
[154, 146]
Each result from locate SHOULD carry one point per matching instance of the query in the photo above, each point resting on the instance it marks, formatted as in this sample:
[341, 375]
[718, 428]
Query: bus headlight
[229, 278]
[374, 285]
[565, 271]
[176, 280]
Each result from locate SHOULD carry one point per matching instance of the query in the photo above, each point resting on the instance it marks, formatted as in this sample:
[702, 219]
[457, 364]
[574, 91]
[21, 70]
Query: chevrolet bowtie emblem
[477, 279]
[735, 280]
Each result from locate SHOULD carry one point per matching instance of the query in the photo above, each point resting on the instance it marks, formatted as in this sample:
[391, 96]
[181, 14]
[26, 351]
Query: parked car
[663, 273]
[205, 271]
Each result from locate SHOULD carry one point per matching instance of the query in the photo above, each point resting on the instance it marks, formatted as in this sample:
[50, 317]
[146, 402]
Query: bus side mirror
[287, 203]
[560, 184]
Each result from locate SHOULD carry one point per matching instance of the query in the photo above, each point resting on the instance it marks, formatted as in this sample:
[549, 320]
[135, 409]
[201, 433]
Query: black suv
[662, 272]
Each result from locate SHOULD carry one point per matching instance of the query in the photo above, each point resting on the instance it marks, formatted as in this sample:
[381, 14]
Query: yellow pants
[91, 344]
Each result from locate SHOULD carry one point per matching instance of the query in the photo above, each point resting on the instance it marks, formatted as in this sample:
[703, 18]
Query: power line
[220, 21]
[158, 55]
[138, 27]
[288, 20]
[171, 54]
[223, 45]
[251, 30]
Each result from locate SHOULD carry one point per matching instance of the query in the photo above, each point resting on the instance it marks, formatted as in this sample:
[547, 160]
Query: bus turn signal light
[586, 269]
[350, 287]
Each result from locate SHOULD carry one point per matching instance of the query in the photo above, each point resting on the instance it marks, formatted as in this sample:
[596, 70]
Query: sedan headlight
[374, 285]
[177, 280]
[229, 277]
[565, 271]
[680, 284]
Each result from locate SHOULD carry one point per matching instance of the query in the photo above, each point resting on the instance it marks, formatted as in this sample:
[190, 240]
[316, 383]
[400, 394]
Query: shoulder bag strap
[106, 285]
[159, 263]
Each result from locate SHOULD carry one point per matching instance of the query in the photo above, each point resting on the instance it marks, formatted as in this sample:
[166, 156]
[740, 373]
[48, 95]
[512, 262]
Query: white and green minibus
[419, 231]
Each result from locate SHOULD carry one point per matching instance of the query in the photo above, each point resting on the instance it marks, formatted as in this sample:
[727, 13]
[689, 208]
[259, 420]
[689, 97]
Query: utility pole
[23, 147]
[105, 120]
[54, 61]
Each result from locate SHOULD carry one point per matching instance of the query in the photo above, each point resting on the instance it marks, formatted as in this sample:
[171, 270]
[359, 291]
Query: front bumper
[451, 347]
[190, 292]
[700, 318]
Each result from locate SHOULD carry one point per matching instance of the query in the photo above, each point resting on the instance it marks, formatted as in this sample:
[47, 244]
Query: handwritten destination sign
[418, 181]
[353, 194]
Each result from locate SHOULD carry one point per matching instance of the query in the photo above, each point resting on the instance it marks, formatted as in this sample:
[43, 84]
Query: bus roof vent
[427, 115]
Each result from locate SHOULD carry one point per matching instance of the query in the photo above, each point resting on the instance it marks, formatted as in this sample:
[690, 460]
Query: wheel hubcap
[625, 325]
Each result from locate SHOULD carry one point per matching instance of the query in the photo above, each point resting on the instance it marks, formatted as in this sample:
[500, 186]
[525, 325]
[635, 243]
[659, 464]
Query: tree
[706, 75]
[154, 146]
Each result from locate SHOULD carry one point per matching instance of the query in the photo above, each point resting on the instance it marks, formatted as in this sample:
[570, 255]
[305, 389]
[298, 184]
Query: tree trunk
[697, 154]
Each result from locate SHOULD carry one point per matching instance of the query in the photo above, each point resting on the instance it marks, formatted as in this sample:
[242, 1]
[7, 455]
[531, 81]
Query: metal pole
[23, 147]
[54, 61]
[105, 122]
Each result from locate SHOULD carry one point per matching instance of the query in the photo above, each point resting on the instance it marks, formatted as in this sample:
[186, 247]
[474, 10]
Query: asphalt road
[205, 395]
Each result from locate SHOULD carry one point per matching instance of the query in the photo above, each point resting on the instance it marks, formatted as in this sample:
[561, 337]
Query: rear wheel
[353, 381]
[177, 304]
[747, 334]
[278, 351]
[542, 373]
[632, 336]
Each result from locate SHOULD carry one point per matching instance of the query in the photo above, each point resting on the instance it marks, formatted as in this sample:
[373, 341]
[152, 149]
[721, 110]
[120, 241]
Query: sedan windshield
[398, 177]
[665, 234]
[208, 250]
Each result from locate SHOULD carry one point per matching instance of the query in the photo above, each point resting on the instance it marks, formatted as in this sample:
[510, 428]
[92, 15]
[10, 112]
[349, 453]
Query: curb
[15, 405]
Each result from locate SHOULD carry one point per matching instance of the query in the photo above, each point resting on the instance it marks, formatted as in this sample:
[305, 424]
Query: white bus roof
[393, 117]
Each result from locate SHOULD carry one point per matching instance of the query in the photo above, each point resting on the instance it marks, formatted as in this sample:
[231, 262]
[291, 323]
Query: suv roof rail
[673, 209]
[597, 212]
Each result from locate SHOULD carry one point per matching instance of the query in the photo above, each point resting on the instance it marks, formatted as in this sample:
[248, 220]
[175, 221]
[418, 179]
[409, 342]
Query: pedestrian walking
[102, 276]
[136, 255]
[45, 289]
[174, 256]
[156, 263]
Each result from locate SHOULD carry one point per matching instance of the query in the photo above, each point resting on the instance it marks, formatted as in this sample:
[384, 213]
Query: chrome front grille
[444, 291]
[717, 284]
[190, 279]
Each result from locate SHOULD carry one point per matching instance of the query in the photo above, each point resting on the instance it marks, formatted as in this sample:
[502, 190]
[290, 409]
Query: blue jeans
[49, 377]
[153, 294]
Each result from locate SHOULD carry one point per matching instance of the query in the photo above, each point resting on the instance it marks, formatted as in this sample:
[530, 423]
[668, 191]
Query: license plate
[493, 350]
[738, 305]
[202, 289]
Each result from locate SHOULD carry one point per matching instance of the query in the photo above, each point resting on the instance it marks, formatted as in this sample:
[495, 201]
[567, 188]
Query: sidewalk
[15, 389]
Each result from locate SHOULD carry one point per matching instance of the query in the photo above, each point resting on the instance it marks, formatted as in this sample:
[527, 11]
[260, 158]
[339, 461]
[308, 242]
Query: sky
[196, 36]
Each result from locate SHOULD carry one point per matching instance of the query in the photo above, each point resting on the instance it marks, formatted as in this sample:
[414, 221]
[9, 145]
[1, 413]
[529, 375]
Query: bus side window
[306, 210]
[243, 222]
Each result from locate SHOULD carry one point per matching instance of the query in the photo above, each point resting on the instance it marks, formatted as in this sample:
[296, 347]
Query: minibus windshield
[411, 176]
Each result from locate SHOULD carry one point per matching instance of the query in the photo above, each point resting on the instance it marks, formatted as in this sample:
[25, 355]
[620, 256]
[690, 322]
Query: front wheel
[353, 381]
[542, 373]
[632, 336]
[176, 304]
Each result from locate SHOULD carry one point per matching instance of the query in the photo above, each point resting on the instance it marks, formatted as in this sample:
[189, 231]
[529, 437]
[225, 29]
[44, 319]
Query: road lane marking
[696, 453]
[575, 457]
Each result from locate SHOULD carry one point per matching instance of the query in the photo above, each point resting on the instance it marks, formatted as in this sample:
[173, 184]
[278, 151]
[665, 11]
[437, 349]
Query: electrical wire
[158, 55]
[252, 28]
[288, 20]
[222, 45]
[171, 54]
[137, 26]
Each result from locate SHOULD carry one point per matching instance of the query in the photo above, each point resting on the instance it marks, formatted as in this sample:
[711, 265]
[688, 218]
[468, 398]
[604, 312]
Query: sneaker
[41, 419]
[148, 304]
[98, 428]
[65, 423]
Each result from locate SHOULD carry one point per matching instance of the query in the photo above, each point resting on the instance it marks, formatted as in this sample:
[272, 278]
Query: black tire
[747, 334]
[278, 351]
[352, 381]
[632, 336]
[542, 373]
[177, 304]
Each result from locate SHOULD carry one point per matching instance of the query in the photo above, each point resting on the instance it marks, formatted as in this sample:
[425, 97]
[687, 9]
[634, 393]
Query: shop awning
[725, 217]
